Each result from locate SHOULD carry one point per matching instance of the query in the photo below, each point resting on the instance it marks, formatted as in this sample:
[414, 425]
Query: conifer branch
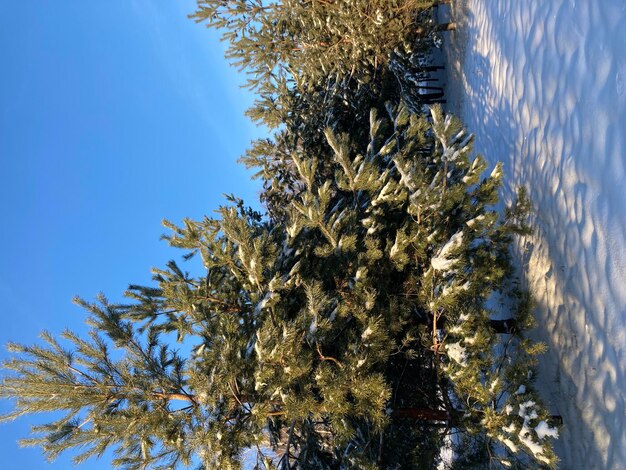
[289, 438]
[327, 358]
[421, 414]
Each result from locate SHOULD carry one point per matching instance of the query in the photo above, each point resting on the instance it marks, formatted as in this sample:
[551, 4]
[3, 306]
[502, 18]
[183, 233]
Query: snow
[471, 340]
[261, 305]
[406, 173]
[385, 194]
[543, 430]
[525, 433]
[457, 353]
[446, 453]
[442, 262]
[496, 172]
[510, 444]
[523, 413]
[258, 350]
[367, 333]
[535, 448]
[542, 85]
[470, 223]
[456, 329]
[394, 249]
[510, 428]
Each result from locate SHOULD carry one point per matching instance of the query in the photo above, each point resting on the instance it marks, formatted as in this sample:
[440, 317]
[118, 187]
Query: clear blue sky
[113, 116]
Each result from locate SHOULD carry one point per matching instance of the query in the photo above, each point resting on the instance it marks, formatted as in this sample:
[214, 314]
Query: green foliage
[304, 83]
[105, 401]
[306, 41]
[312, 334]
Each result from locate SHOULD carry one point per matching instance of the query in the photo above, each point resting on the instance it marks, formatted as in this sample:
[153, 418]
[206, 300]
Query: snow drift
[542, 84]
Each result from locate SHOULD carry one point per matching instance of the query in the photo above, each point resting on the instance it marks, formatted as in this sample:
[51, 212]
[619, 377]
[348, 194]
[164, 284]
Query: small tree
[313, 40]
[353, 332]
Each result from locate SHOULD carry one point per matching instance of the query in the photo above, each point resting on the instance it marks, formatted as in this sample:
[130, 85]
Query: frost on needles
[351, 332]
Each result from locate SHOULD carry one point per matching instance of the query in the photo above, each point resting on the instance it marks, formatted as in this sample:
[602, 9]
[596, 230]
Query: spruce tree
[353, 333]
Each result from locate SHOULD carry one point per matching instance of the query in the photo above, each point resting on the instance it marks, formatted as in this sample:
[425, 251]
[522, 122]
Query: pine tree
[353, 333]
[313, 40]
[304, 83]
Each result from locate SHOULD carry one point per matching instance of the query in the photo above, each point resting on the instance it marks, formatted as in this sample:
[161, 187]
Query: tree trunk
[507, 326]
[427, 79]
[446, 27]
[423, 31]
[424, 414]
[431, 68]
[426, 87]
[429, 98]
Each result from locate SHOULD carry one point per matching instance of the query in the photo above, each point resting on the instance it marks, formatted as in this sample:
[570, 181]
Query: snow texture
[542, 85]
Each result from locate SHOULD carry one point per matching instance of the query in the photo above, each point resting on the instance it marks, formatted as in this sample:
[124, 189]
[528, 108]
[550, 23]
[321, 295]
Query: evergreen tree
[353, 332]
[309, 41]
[321, 63]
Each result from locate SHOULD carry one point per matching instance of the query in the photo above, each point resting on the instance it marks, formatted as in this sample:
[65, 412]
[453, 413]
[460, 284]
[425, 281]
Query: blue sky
[113, 116]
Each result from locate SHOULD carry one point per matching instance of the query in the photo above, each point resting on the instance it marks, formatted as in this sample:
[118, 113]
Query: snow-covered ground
[542, 84]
